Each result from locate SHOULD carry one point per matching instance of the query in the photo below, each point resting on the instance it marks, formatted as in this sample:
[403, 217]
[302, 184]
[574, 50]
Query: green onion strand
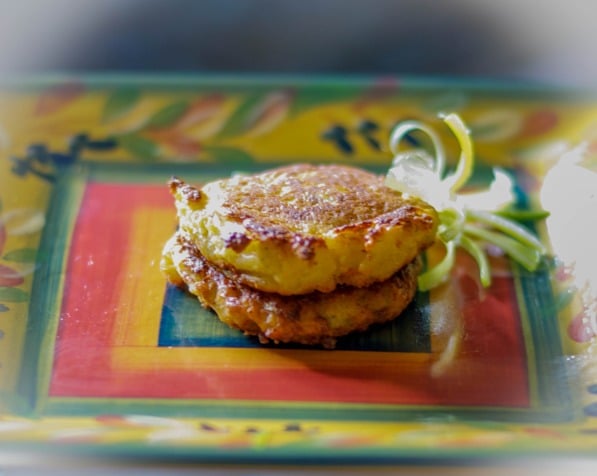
[436, 275]
[508, 227]
[523, 215]
[459, 224]
[465, 166]
[405, 127]
[526, 256]
[479, 256]
[451, 223]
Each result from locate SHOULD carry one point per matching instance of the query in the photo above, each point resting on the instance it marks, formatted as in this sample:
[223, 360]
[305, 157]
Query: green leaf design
[138, 146]
[56, 97]
[13, 295]
[23, 255]
[238, 120]
[119, 103]
[230, 155]
[167, 115]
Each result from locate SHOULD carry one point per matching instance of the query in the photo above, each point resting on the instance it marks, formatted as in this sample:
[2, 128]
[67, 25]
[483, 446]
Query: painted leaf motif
[119, 103]
[237, 122]
[23, 255]
[269, 113]
[23, 221]
[10, 277]
[172, 140]
[539, 122]
[185, 146]
[154, 421]
[9, 294]
[57, 97]
[168, 115]
[496, 125]
[138, 146]
[201, 110]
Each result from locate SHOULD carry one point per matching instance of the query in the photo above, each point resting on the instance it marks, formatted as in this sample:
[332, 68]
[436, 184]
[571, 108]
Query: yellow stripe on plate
[141, 283]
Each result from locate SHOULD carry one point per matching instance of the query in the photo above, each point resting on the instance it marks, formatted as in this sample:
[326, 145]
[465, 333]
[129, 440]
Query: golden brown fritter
[304, 228]
[314, 319]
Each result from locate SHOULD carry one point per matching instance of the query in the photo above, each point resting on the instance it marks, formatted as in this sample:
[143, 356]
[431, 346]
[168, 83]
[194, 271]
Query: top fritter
[304, 228]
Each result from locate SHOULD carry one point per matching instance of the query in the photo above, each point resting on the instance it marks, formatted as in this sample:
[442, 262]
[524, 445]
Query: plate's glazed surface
[98, 354]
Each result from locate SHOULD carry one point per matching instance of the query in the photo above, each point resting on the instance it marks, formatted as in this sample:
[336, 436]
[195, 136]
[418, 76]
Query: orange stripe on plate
[195, 358]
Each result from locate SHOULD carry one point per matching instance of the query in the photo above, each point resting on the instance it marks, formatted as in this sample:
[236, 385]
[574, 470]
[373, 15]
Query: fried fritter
[304, 228]
[314, 319]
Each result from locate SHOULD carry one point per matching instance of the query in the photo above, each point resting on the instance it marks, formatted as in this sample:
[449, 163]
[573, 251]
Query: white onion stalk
[466, 219]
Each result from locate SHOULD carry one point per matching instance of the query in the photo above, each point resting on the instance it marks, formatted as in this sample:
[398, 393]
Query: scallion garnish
[467, 220]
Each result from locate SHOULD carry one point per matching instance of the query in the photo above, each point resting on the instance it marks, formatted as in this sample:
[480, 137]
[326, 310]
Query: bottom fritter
[312, 319]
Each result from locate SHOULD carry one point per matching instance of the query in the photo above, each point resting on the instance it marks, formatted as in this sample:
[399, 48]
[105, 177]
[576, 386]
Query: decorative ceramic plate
[99, 355]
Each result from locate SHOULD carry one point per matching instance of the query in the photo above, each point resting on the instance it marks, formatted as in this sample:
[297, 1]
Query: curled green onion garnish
[466, 162]
[467, 220]
[473, 249]
[523, 215]
[436, 275]
[516, 231]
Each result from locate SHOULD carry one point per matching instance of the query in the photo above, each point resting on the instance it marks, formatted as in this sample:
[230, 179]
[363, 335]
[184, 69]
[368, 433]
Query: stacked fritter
[300, 254]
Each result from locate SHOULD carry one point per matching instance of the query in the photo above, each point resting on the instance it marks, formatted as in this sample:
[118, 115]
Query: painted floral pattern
[17, 264]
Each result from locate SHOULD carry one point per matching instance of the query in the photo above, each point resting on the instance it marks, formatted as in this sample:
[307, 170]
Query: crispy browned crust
[279, 206]
[326, 222]
[189, 192]
[312, 319]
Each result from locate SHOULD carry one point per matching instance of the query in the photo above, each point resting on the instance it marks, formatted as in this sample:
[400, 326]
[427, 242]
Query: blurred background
[539, 40]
